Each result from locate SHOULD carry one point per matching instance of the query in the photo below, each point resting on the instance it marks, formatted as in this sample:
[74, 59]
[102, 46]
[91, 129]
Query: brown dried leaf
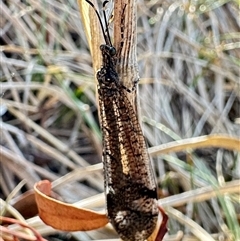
[161, 227]
[26, 204]
[63, 216]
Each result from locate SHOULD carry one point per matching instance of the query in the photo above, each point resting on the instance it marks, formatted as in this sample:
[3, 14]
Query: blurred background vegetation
[188, 56]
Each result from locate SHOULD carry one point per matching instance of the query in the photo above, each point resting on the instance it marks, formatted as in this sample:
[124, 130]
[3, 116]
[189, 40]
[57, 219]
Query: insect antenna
[106, 36]
[106, 22]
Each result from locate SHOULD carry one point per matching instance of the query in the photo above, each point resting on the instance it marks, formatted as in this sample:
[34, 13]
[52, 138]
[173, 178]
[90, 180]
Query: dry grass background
[188, 55]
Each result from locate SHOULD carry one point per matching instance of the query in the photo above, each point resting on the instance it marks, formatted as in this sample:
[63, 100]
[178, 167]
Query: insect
[129, 181]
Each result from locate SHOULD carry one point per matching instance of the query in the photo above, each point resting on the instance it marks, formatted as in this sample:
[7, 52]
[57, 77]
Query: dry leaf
[26, 204]
[63, 216]
[161, 227]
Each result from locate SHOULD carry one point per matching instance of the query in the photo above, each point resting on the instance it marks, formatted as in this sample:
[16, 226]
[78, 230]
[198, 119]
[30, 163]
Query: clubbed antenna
[106, 36]
[106, 22]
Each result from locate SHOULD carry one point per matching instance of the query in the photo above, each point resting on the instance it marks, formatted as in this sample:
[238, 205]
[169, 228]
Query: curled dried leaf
[63, 216]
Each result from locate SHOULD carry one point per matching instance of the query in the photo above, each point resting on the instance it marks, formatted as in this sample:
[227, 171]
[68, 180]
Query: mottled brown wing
[129, 180]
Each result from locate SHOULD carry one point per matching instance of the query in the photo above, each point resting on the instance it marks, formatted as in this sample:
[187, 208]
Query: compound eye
[112, 51]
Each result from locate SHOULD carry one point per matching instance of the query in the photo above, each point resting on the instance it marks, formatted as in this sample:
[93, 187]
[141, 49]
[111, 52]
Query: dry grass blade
[200, 194]
[92, 30]
[196, 229]
[219, 141]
